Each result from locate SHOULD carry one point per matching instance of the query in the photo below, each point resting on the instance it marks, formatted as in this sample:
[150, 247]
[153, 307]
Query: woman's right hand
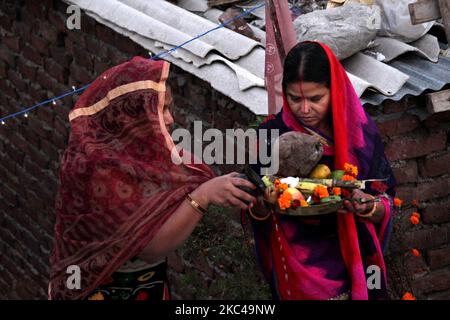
[223, 191]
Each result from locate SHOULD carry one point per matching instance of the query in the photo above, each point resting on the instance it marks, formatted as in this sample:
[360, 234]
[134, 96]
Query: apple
[295, 193]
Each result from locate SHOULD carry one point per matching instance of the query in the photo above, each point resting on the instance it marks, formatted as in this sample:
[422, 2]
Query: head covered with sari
[118, 183]
[356, 141]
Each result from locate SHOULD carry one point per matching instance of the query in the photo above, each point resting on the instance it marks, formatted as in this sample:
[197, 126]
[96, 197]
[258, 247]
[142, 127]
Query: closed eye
[316, 98]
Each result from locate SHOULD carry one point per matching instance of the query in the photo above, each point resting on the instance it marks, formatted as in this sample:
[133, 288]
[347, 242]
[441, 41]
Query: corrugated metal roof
[158, 25]
[423, 75]
[232, 63]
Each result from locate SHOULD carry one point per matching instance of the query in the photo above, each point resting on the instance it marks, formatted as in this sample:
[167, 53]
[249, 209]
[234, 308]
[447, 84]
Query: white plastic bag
[396, 21]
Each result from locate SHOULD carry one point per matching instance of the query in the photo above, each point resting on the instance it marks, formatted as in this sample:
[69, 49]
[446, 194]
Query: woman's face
[309, 102]
[167, 111]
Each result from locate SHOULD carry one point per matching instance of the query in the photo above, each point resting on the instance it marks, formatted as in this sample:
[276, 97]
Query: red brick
[405, 172]
[23, 29]
[426, 238]
[89, 24]
[59, 54]
[45, 81]
[3, 70]
[83, 58]
[37, 9]
[32, 55]
[437, 118]
[27, 70]
[13, 43]
[401, 125]
[36, 93]
[390, 106]
[437, 212]
[17, 81]
[39, 127]
[442, 295]
[57, 20]
[117, 57]
[408, 147]
[40, 44]
[6, 22]
[49, 33]
[49, 149]
[7, 89]
[8, 195]
[59, 140]
[435, 281]
[435, 165]
[69, 45]
[439, 258]
[438, 188]
[96, 47]
[127, 45]
[105, 34]
[7, 56]
[80, 74]
[56, 71]
[100, 66]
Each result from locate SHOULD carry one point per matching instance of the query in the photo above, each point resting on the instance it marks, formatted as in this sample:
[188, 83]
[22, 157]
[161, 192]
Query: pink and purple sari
[330, 256]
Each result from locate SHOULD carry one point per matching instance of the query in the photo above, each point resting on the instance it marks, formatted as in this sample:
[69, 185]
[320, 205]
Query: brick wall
[418, 147]
[40, 58]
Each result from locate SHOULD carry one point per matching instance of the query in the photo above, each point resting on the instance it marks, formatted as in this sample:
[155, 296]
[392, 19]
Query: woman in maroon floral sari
[123, 205]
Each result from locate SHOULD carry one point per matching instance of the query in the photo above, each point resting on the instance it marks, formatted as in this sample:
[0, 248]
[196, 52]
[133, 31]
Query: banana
[307, 187]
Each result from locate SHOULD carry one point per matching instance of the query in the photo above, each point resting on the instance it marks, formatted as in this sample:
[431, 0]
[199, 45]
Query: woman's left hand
[356, 207]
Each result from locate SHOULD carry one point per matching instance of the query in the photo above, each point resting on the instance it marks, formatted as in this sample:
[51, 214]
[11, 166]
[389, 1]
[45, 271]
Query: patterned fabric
[118, 183]
[149, 283]
[356, 140]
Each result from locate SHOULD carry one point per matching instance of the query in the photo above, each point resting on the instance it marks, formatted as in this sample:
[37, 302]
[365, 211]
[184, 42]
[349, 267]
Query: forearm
[175, 231]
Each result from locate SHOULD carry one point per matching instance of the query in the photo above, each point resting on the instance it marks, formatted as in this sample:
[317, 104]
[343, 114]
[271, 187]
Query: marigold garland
[284, 201]
[321, 192]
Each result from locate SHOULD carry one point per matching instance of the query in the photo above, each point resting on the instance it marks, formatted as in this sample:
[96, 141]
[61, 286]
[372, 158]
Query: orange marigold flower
[283, 186]
[321, 192]
[303, 203]
[415, 252]
[414, 220]
[347, 166]
[416, 214]
[347, 177]
[337, 191]
[398, 202]
[408, 296]
[351, 170]
[284, 201]
[97, 296]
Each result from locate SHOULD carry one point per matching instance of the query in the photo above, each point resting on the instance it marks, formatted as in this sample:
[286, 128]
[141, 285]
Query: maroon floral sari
[118, 184]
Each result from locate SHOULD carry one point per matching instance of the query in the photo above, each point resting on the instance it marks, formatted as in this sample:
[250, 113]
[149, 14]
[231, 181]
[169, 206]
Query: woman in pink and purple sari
[335, 256]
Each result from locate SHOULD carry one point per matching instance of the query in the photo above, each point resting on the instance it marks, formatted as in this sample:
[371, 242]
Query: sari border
[117, 92]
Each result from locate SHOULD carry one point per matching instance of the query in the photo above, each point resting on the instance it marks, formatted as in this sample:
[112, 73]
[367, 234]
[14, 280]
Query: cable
[158, 56]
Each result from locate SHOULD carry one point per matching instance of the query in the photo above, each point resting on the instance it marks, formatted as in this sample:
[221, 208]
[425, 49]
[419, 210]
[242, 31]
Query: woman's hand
[363, 208]
[356, 207]
[223, 191]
